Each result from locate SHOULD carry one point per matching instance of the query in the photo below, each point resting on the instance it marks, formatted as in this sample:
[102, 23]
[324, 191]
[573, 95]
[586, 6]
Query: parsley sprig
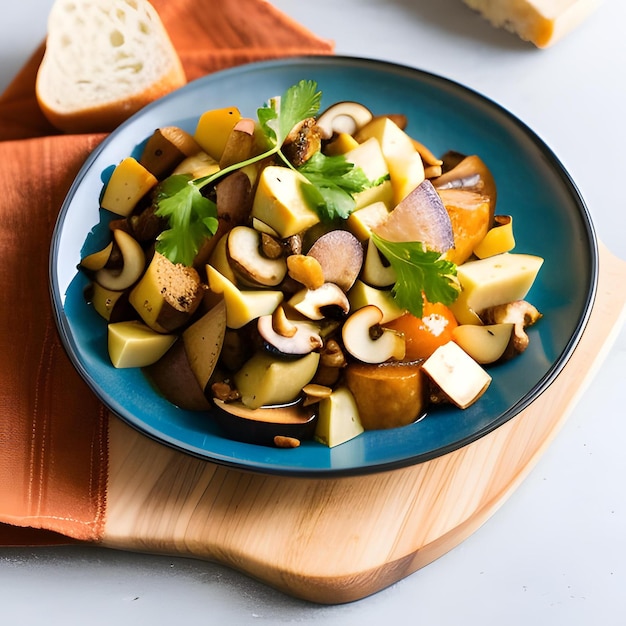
[192, 218]
[332, 180]
[419, 271]
[278, 117]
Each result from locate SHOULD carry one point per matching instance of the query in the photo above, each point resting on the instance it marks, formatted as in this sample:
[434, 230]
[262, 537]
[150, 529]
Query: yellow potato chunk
[133, 344]
[496, 280]
[265, 380]
[363, 295]
[129, 182]
[242, 306]
[406, 168]
[280, 203]
[214, 128]
[338, 419]
[370, 158]
[498, 239]
[361, 221]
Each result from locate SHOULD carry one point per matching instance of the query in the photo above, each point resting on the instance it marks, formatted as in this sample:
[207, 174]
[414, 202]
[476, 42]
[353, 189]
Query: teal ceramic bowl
[550, 219]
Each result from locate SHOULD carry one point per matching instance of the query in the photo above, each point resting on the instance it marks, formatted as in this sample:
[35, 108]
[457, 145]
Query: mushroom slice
[246, 258]
[240, 143]
[303, 341]
[377, 272]
[519, 313]
[343, 117]
[263, 425]
[312, 302]
[166, 148]
[367, 341]
[132, 268]
[302, 142]
[281, 325]
[340, 254]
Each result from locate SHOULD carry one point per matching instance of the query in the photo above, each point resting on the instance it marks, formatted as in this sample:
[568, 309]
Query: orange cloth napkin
[53, 431]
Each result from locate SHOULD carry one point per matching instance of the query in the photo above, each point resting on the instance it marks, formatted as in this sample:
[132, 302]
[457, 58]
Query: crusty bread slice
[104, 60]
[542, 22]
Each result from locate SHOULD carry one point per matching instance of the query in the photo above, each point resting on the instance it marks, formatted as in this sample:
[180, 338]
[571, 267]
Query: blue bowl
[550, 219]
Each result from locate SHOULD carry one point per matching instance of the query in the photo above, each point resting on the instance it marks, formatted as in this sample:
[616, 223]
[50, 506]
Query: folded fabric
[53, 431]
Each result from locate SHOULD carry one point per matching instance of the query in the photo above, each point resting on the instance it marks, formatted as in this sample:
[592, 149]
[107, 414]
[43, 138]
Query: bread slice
[542, 22]
[104, 60]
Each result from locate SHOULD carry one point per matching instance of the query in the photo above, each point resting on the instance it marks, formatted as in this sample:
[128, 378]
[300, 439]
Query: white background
[555, 553]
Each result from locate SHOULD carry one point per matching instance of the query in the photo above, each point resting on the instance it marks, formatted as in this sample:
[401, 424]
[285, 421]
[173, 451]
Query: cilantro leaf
[191, 219]
[418, 271]
[298, 103]
[336, 180]
[268, 121]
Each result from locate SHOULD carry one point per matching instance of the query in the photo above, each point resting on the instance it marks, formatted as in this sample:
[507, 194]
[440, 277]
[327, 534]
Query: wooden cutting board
[341, 539]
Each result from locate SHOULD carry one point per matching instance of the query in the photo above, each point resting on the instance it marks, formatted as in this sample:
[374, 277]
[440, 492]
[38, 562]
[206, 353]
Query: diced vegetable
[339, 419]
[129, 182]
[304, 271]
[133, 344]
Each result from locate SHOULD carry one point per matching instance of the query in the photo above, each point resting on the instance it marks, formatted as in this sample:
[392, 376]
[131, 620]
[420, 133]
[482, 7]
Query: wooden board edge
[138, 465]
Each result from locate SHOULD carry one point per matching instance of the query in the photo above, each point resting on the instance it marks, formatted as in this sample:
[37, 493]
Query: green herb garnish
[418, 271]
[281, 114]
[333, 180]
[192, 218]
[336, 180]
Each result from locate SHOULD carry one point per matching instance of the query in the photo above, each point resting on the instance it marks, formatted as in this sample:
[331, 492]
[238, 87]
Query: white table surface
[555, 553]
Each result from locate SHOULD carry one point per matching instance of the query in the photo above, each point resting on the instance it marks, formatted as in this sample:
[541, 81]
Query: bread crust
[541, 22]
[107, 116]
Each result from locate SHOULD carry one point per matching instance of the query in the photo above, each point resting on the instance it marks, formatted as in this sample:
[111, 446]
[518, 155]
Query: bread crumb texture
[180, 285]
[541, 22]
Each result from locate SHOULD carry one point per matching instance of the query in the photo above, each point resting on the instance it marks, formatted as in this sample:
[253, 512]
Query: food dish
[551, 221]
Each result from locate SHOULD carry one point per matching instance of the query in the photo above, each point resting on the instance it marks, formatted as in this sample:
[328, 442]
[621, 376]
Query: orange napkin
[53, 431]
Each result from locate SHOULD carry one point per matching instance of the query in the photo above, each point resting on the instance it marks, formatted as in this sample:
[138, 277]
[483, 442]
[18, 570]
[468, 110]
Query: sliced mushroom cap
[367, 341]
[303, 141]
[245, 256]
[315, 303]
[263, 425]
[376, 272]
[132, 268]
[166, 148]
[521, 314]
[343, 117]
[340, 254]
[303, 341]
